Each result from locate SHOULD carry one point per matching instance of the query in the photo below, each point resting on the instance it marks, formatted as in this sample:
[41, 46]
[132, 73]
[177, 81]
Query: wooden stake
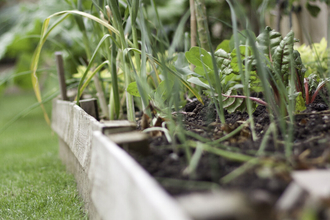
[60, 73]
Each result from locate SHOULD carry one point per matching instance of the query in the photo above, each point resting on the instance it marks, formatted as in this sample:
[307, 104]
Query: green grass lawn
[33, 182]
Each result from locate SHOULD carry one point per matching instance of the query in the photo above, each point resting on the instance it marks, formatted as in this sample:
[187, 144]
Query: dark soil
[311, 140]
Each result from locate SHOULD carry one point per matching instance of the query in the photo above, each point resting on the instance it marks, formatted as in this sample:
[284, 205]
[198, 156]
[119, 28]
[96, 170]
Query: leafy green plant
[278, 58]
[205, 76]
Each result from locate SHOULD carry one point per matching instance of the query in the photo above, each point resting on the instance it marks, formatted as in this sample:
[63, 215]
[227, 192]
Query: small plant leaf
[181, 61]
[231, 104]
[182, 65]
[162, 89]
[300, 71]
[200, 71]
[228, 101]
[197, 81]
[224, 45]
[200, 58]
[223, 61]
[234, 61]
[267, 41]
[133, 89]
[282, 57]
[300, 103]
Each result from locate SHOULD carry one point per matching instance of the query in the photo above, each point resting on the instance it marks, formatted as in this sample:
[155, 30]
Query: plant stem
[231, 134]
[194, 160]
[112, 114]
[201, 18]
[114, 98]
[239, 171]
[263, 144]
[278, 15]
[136, 45]
[98, 86]
[193, 25]
[246, 77]
[223, 153]
[291, 109]
[217, 74]
[129, 98]
[100, 95]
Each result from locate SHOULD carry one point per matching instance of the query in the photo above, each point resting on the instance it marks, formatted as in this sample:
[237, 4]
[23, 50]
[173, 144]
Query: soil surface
[168, 163]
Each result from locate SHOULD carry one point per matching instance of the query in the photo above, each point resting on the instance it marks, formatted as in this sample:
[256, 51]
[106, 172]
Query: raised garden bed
[115, 186]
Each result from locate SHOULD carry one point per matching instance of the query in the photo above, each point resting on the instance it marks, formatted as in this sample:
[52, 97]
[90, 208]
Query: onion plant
[121, 54]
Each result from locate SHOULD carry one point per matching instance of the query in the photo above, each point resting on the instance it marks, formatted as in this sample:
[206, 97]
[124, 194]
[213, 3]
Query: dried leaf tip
[109, 13]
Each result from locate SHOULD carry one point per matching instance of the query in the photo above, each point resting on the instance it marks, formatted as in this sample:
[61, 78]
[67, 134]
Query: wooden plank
[75, 127]
[134, 140]
[118, 126]
[83, 183]
[121, 189]
[290, 197]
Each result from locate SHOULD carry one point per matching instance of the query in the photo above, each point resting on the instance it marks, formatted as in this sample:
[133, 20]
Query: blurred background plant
[20, 28]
